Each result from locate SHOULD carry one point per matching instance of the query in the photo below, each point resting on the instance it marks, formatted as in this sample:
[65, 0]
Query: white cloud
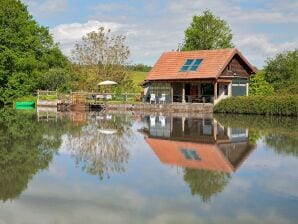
[153, 29]
[68, 33]
[260, 47]
[46, 7]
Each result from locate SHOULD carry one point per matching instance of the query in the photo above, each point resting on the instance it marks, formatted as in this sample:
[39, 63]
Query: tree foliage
[27, 51]
[56, 79]
[259, 86]
[282, 71]
[207, 32]
[101, 56]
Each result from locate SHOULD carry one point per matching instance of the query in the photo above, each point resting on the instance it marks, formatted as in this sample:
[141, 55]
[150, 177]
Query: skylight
[191, 65]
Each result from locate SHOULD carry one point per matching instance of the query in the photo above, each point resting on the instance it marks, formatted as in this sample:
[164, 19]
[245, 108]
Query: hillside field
[137, 78]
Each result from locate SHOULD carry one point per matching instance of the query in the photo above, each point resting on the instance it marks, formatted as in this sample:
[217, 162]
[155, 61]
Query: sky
[261, 29]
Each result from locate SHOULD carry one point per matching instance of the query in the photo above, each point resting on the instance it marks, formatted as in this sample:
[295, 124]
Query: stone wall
[174, 107]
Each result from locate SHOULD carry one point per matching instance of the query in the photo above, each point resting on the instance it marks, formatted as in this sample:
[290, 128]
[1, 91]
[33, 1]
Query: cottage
[198, 76]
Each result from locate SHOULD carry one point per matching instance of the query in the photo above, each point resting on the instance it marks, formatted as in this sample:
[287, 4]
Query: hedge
[286, 105]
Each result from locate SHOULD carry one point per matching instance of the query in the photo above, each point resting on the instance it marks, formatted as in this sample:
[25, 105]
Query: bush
[259, 86]
[286, 105]
[56, 79]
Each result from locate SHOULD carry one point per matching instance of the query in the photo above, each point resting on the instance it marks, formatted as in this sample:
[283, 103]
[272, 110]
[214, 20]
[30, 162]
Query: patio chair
[152, 120]
[152, 98]
[162, 99]
[108, 97]
[99, 97]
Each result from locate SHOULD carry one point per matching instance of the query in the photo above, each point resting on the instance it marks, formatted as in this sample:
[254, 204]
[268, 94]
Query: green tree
[259, 86]
[282, 71]
[56, 79]
[207, 32]
[27, 51]
[103, 55]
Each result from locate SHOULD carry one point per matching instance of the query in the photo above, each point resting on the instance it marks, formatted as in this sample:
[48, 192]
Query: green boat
[25, 105]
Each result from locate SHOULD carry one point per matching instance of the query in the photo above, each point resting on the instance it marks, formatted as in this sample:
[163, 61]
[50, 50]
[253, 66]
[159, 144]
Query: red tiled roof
[214, 62]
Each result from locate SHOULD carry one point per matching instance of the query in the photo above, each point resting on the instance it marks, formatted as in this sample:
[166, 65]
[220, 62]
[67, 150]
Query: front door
[191, 92]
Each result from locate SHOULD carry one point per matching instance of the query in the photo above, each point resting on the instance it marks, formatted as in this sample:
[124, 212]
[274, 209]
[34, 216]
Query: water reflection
[26, 147]
[279, 133]
[206, 150]
[100, 147]
[29, 140]
[50, 165]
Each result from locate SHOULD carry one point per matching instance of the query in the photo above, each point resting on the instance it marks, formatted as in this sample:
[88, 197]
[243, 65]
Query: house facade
[204, 76]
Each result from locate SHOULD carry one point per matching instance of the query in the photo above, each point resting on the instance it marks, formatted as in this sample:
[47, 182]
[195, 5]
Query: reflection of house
[198, 143]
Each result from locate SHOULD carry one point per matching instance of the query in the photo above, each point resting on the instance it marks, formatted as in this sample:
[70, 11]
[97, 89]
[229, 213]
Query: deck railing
[194, 98]
[73, 97]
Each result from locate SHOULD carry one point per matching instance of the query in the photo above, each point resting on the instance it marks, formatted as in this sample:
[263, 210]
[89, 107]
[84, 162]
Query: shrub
[259, 86]
[286, 105]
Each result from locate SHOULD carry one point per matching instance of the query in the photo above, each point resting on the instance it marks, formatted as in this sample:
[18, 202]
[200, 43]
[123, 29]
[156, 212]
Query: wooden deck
[80, 102]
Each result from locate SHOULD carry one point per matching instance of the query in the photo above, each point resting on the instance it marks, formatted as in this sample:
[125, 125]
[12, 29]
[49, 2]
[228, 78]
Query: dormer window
[191, 65]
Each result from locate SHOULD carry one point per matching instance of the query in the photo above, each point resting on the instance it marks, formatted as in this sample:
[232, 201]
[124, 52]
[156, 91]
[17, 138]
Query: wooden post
[215, 91]
[183, 93]
[172, 93]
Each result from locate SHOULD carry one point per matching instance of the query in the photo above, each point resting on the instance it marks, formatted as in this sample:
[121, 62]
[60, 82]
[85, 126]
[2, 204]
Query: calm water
[112, 168]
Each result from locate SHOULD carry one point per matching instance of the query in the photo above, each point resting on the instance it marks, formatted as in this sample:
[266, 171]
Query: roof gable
[213, 63]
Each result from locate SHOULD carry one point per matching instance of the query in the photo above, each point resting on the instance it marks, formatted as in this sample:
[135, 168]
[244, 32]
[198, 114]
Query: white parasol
[107, 82]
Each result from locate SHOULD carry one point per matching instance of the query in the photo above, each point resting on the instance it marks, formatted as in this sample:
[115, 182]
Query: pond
[78, 167]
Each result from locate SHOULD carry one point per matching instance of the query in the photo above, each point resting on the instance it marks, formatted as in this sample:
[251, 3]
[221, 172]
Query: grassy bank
[286, 105]
[137, 77]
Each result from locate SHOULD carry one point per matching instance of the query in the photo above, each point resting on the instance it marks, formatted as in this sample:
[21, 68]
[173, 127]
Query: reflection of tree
[205, 183]
[279, 133]
[283, 144]
[102, 154]
[25, 148]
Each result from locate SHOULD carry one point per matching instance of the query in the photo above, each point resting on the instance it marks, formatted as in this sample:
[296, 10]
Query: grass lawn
[137, 78]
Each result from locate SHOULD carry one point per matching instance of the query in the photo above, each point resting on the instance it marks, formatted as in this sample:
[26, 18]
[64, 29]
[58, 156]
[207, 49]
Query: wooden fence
[84, 97]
